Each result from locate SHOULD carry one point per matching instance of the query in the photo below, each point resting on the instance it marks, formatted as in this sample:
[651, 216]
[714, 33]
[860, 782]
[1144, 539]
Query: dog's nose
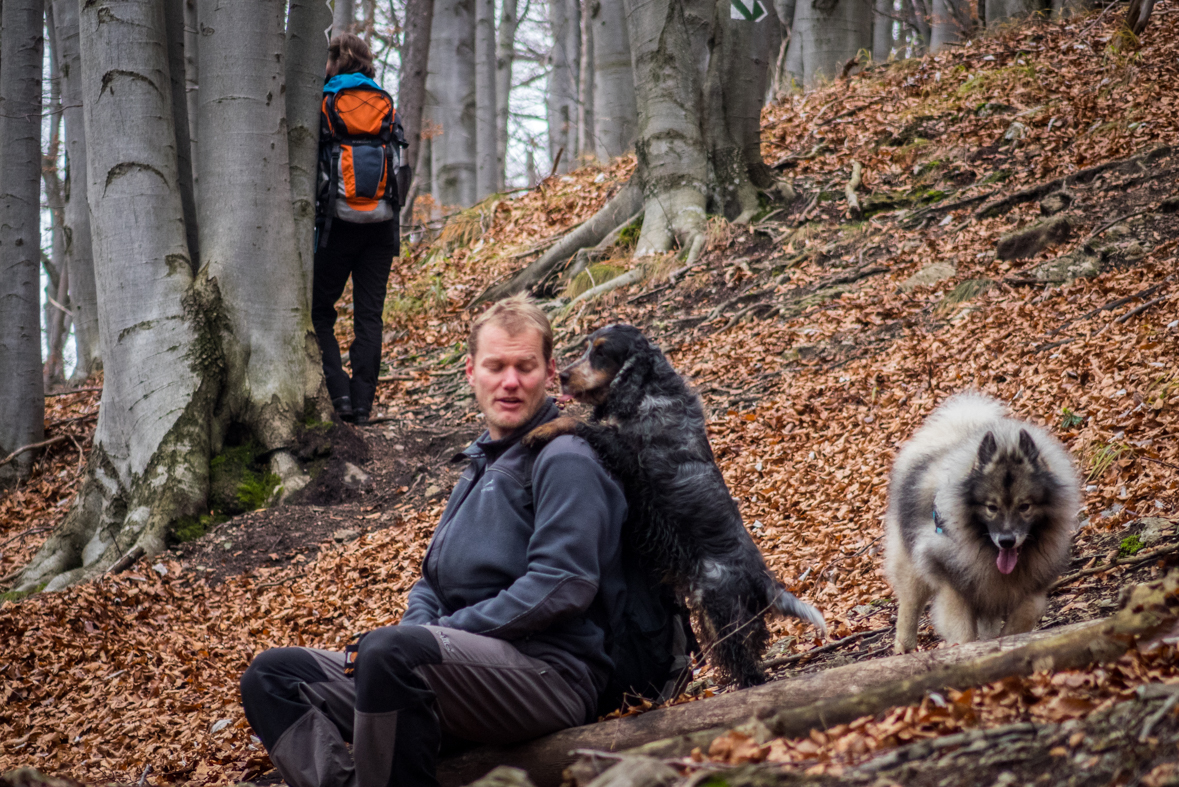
[1006, 542]
[563, 377]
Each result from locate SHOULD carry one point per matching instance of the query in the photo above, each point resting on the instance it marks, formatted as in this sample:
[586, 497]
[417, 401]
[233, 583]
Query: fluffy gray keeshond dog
[981, 514]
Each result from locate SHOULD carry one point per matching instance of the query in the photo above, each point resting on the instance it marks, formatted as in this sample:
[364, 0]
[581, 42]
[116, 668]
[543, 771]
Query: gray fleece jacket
[528, 551]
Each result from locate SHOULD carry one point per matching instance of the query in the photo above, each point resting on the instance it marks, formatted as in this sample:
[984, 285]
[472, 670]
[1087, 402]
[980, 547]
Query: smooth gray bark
[950, 24]
[450, 102]
[733, 89]
[505, 49]
[793, 68]
[411, 93]
[76, 233]
[1137, 15]
[918, 16]
[585, 84]
[561, 92]
[174, 29]
[22, 403]
[56, 320]
[615, 110]
[247, 231]
[882, 31]
[150, 459]
[343, 17]
[306, 54]
[486, 145]
[1000, 11]
[834, 31]
[192, 37]
[670, 144]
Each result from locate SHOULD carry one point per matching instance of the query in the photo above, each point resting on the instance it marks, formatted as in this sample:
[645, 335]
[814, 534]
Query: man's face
[509, 375]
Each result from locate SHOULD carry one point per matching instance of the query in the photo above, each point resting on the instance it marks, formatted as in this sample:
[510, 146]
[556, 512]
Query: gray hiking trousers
[413, 684]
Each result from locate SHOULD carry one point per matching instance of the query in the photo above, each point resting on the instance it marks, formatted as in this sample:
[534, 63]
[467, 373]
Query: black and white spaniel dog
[648, 430]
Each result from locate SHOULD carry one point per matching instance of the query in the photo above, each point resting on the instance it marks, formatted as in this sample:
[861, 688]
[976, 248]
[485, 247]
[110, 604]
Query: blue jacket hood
[344, 81]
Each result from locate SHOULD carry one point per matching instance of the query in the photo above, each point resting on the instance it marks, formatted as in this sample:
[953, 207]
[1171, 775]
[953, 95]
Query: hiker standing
[356, 218]
[514, 628]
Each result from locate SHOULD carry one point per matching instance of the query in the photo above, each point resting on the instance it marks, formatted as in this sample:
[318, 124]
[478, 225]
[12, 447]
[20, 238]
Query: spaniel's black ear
[626, 389]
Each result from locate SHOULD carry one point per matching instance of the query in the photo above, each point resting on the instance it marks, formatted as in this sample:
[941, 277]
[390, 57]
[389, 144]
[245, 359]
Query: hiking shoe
[361, 417]
[343, 405]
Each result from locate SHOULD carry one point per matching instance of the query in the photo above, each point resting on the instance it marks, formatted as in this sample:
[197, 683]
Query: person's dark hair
[351, 55]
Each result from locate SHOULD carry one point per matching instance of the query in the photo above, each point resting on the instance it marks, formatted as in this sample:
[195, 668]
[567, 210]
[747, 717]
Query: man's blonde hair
[515, 314]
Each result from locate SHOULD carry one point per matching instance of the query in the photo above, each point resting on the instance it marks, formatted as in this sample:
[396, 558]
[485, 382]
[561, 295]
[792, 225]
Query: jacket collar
[485, 447]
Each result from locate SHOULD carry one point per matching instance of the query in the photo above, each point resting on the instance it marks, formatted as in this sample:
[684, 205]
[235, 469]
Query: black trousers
[414, 685]
[365, 252]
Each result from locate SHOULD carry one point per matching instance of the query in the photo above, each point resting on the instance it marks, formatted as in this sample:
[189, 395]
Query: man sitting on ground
[503, 637]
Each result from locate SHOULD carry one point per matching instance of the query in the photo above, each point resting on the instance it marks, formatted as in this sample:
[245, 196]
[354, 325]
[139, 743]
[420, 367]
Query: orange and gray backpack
[360, 143]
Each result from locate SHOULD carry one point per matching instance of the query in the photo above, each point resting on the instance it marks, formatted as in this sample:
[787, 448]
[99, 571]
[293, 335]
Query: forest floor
[818, 338]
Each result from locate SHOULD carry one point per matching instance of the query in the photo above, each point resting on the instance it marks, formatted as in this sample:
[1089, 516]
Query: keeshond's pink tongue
[1007, 560]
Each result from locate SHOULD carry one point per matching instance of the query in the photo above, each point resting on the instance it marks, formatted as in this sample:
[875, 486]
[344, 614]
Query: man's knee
[270, 690]
[385, 662]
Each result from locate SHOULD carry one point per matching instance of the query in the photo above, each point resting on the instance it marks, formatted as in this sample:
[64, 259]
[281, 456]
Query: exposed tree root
[624, 204]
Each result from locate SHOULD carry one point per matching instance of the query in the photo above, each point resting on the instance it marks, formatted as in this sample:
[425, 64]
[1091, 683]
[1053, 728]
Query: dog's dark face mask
[1010, 493]
[588, 379]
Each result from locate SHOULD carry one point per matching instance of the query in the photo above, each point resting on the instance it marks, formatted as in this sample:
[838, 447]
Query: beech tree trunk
[450, 102]
[505, 53]
[733, 89]
[174, 29]
[306, 55]
[55, 322]
[833, 31]
[192, 37]
[918, 16]
[411, 92]
[561, 94]
[486, 144]
[794, 67]
[22, 403]
[343, 17]
[952, 22]
[670, 144]
[615, 110]
[188, 355]
[999, 11]
[79, 258]
[882, 31]
[150, 458]
[700, 78]
[247, 227]
[585, 83]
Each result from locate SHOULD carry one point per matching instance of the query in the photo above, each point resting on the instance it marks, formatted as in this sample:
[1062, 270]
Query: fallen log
[792, 706]
[545, 757]
[625, 203]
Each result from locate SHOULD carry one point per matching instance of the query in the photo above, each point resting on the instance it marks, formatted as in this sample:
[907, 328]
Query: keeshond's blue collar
[938, 522]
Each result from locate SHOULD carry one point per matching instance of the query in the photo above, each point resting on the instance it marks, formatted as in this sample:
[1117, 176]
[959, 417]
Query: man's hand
[545, 434]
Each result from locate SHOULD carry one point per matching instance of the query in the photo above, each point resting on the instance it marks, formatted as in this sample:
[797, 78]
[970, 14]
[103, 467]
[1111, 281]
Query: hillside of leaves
[819, 336]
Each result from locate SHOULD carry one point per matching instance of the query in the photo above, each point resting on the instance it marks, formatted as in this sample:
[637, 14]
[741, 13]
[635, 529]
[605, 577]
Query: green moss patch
[238, 482]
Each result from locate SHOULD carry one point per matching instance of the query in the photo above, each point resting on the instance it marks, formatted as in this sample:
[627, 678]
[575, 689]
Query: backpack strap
[333, 193]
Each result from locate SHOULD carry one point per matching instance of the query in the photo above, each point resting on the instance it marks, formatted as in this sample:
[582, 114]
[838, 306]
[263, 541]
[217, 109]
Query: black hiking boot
[343, 405]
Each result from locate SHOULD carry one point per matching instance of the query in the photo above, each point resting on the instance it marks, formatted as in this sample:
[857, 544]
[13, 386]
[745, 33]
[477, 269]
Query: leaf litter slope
[815, 363]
